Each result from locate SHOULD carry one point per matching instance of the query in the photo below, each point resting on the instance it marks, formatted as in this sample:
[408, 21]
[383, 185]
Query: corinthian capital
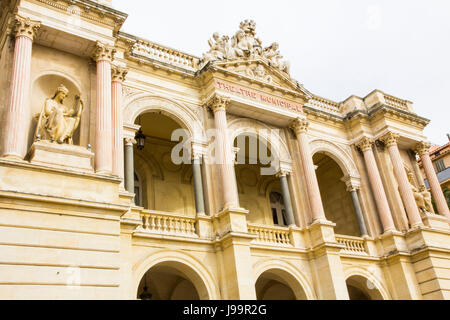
[218, 102]
[422, 148]
[390, 139]
[118, 73]
[103, 52]
[299, 125]
[25, 27]
[364, 144]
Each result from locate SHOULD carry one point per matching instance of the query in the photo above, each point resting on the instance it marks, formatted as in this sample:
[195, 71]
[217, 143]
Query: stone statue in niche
[422, 196]
[56, 122]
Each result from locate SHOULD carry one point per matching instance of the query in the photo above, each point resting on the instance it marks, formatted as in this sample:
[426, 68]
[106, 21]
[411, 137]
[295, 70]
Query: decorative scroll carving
[244, 45]
[55, 122]
[259, 73]
[25, 27]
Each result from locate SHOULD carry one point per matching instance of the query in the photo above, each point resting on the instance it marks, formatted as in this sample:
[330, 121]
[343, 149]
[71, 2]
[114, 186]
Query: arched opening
[361, 288]
[337, 202]
[259, 188]
[164, 176]
[277, 284]
[171, 280]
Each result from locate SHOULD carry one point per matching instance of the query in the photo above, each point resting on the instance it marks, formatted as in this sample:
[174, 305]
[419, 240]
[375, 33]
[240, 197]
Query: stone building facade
[278, 194]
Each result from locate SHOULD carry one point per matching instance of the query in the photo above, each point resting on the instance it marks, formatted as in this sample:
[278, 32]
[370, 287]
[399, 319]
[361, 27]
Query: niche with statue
[56, 127]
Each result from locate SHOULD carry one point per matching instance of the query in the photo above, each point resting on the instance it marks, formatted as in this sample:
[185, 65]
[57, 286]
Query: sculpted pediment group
[245, 55]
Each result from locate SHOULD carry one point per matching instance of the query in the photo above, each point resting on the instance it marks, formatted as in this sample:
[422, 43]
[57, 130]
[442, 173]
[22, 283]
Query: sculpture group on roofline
[244, 45]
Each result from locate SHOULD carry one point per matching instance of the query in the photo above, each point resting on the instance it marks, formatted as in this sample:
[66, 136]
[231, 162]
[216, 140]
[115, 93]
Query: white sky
[336, 47]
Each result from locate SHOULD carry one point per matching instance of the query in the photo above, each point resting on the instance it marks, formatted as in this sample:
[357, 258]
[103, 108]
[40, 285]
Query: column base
[13, 157]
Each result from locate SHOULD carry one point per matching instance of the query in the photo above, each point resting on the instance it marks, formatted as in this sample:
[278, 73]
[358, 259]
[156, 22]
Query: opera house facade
[131, 170]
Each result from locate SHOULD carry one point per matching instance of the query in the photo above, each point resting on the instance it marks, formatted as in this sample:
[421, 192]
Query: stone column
[300, 127]
[358, 212]
[286, 198]
[422, 150]
[129, 165]
[224, 154]
[390, 140]
[198, 183]
[103, 55]
[118, 76]
[365, 145]
[16, 124]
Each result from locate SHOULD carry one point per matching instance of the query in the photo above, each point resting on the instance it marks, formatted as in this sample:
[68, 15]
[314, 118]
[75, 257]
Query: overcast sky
[336, 48]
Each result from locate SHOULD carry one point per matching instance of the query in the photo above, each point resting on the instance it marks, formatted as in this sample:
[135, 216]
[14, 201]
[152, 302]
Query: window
[440, 165]
[278, 210]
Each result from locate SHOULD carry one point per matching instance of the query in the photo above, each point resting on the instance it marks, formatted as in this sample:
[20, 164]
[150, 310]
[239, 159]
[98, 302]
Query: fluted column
[390, 140]
[103, 55]
[365, 145]
[422, 150]
[282, 175]
[224, 154]
[198, 183]
[118, 76]
[300, 126]
[16, 125]
[129, 164]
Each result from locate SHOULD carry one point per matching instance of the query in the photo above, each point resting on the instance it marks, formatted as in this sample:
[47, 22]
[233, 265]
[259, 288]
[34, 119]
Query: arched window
[137, 190]
[278, 209]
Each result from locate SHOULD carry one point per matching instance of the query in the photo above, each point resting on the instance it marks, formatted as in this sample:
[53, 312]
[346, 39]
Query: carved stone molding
[390, 139]
[218, 103]
[365, 144]
[118, 74]
[25, 27]
[103, 52]
[422, 148]
[300, 125]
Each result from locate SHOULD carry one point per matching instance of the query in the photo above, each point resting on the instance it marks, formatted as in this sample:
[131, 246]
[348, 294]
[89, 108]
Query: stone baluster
[423, 150]
[16, 124]
[365, 145]
[390, 140]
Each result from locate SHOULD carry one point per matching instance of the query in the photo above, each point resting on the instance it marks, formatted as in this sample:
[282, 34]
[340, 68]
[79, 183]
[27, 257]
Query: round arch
[194, 270]
[182, 114]
[338, 154]
[367, 282]
[252, 127]
[299, 284]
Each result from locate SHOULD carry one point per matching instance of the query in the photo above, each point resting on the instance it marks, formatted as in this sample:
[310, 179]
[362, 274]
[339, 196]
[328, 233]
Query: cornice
[92, 11]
